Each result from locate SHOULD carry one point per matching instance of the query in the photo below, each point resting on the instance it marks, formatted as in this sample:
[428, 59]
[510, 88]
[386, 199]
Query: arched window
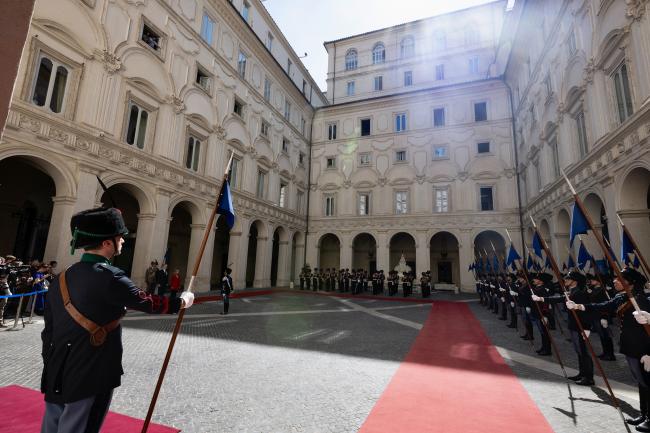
[407, 47]
[351, 60]
[378, 54]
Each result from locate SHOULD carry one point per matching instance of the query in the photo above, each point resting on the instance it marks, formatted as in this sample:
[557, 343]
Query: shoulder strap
[97, 333]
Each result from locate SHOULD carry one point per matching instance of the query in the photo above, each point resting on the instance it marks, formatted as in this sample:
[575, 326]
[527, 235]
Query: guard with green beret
[82, 337]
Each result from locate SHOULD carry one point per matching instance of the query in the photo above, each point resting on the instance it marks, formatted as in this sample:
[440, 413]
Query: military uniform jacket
[579, 296]
[634, 341]
[73, 368]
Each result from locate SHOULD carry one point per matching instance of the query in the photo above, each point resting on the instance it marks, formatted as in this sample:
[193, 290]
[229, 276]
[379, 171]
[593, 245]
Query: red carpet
[453, 380]
[242, 294]
[415, 299]
[26, 408]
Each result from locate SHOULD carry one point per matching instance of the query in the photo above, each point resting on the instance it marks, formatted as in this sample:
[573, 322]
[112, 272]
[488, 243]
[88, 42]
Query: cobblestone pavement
[287, 363]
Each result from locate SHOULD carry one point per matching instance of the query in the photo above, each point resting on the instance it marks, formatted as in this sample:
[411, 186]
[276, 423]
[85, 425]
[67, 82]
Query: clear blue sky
[308, 23]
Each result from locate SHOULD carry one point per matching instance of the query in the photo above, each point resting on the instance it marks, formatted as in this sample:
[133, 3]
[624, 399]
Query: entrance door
[444, 272]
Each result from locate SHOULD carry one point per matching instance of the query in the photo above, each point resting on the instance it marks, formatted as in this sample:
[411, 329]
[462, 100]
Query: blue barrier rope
[23, 294]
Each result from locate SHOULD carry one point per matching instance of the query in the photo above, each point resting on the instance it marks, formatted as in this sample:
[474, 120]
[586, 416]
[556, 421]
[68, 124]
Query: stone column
[202, 280]
[143, 253]
[262, 262]
[465, 257]
[383, 253]
[300, 260]
[345, 257]
[613, 227]
[637, 223]
[58, 237]
[312, 250]
[284, 262]
[237, 251]
[422, 253]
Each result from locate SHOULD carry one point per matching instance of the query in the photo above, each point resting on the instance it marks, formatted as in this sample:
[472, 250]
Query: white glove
[501, 289]
[545, 320]
[642, 317]
[188, 299]
[587, 332]
[513, 293]
[503, 299]
[528, 310]
[512, 304]
[645, 360]
[604, 323]
[538, 298]
[573, 306]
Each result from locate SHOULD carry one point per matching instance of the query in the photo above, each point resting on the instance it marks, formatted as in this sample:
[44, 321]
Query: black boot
[643, 408]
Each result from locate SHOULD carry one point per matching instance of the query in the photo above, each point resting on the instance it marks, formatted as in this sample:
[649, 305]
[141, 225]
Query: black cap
[546, 278]
[634, 277]
[92, 226]
[577, 277]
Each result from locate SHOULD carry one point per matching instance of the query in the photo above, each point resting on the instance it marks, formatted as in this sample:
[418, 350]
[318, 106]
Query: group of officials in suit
[359, 281]
[600, 303]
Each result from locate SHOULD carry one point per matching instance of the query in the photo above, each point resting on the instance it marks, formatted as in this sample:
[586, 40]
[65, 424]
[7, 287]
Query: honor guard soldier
[346, 280]
[302, 280]
[226, 290]
[382, 278]
[308, 279]
[512, 294]
[341, 280]
[314, 280]
[425, 285]
[601, 321]
[82, 338]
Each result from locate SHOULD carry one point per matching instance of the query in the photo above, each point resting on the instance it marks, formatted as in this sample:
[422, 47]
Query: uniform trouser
[513, 314]
[226, 302]
[585, 364]
[528, 324]
[503, 310]
[83, 416]
[605, 335]
[546, 341]
[3, 304]
[641, 378]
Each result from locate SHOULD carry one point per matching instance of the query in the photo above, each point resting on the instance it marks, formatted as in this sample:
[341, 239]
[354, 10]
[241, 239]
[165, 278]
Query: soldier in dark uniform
[314, 280]
[511, 296]
[425, 285]
[82, 338]
[542, 282]
[302, 280]
[346, 280]
[226, 290]
[308, 279]
[601, 321]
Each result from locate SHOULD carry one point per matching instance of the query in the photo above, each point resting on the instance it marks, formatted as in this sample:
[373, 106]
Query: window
[582, 132]
[193, 152]
[379, 83]
[623, 95]
[408, 78]
[440, 72]
[151, 37]
[50, 85]
[330, 163]
[304, 87]
[238, 108]
[473, 65]
[331, 131]
[269, 41]
[301, 158]
[245, 11]
[287, 110]
[261, 183]
[207, 28]
[400, 156]
[137, 127]
[285, 145]
[486, 198]
[480, 111]
[556, 158]
[241, 65]
[407, 47]
[329, 205]
[299, 199]
[302, 125]
[364, 203]
[351, 60]
[289, 64]
[401, 205]
[264, 130]
[571, 42]
[267, 89]
[441, 199]
[203, 79]
[438, 117]
[364, 159]
[483, 147]
[234, 172]
[400, 122]
[350, 90]
[365, 127]
[283, 194]
[378, 54]
[440, 152]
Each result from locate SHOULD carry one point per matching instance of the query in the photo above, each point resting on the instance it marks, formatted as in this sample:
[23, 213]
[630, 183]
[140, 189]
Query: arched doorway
[130, 209]
[483, 245]
[329, 252]
[444, 258]
[256, 235]
[26, 194]
[635, 206]
[219, 253]
[178, 242]
[596, 209]
[364, 252]
[402, 244]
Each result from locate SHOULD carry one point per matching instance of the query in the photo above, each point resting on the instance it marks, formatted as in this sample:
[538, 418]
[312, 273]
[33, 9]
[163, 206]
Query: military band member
[82, 339]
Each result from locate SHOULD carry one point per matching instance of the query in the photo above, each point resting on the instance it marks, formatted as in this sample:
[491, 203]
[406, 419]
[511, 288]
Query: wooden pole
[181, 313]
[560, 280]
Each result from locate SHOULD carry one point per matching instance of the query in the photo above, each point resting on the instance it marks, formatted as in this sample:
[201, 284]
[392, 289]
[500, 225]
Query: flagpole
[560, 280]
[181, 313]
[601, 243]
[637, 251]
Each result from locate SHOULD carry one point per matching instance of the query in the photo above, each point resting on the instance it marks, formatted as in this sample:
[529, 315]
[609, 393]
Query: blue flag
[579, 223]
[583, 256]
[225, 207]
[497, 266]
[537, 244]
[166, 257]
[626, 248]
[570, 263]
[488, 267]
[513, 255]
[529, 262]
[636, 262]
[603, 266]
[547, 263]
